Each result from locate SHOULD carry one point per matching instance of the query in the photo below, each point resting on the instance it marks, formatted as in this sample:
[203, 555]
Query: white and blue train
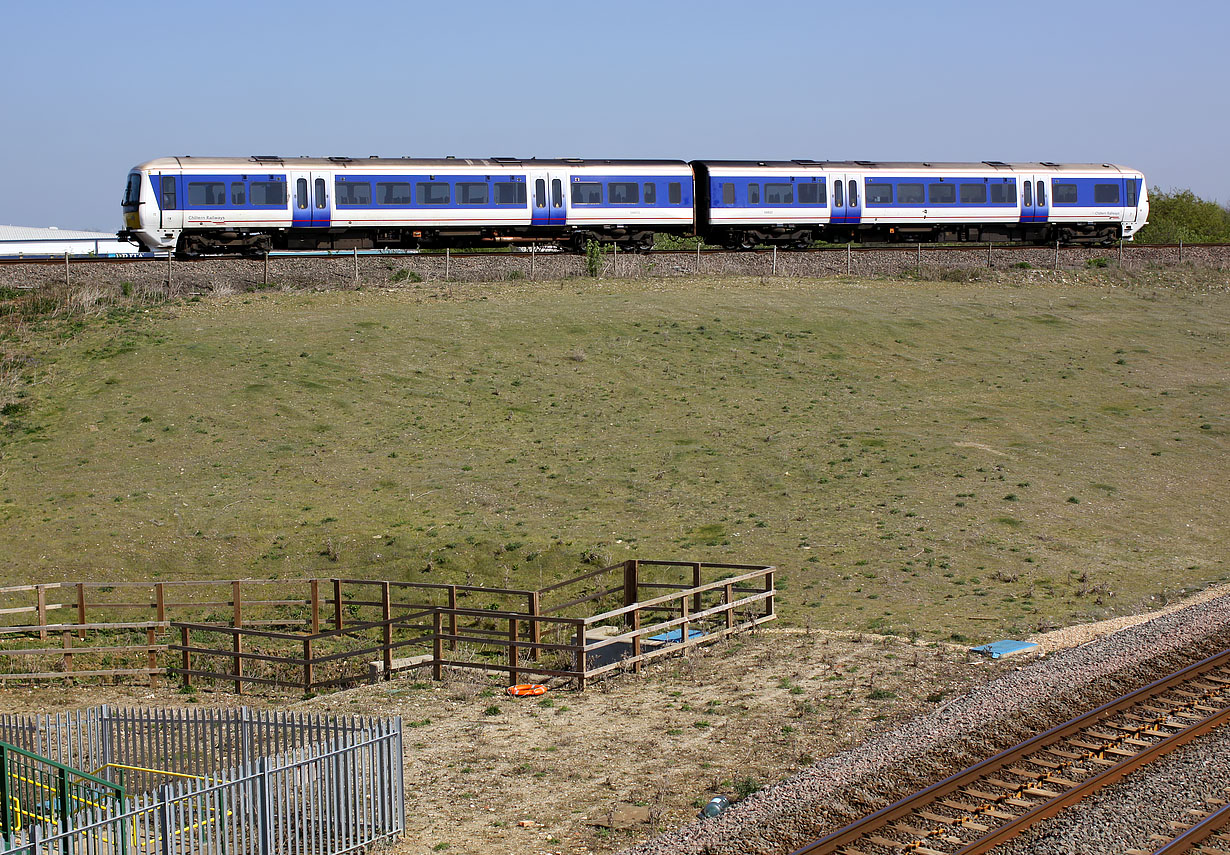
[196, 206]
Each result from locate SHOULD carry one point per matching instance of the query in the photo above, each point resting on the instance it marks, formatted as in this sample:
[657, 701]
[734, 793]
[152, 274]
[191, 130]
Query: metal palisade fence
[315, 785]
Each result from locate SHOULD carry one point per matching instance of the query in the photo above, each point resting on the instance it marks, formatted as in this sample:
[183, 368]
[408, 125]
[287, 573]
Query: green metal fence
[39, 792]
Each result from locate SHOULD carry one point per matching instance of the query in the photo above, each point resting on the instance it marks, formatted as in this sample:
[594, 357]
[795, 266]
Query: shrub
[1181, 215]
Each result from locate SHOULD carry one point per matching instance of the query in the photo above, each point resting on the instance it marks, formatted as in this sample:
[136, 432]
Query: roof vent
[867, 163]
[1050, 164]
[341, 159]
[266, 158]
[998, 164]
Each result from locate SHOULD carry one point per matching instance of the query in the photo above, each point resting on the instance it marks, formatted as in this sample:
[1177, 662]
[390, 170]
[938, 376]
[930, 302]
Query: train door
[310, 200]
[170, 214]
[847, 199]
[1035, 199]
[549, 204]
[1042, 198]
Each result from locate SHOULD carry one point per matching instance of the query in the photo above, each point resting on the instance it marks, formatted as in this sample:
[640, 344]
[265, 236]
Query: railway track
[898, 249]
[991, 802]
[1208, 833]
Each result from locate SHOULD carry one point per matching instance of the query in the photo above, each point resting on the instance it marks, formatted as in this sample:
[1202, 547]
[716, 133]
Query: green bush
[1181, 215]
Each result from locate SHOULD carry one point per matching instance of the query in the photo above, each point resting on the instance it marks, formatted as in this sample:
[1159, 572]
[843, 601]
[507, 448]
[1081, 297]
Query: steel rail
[860, 829]
[712, 251]
[1198, 833]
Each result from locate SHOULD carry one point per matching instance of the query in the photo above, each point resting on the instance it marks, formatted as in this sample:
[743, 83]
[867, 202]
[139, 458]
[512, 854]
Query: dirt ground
[489, 774]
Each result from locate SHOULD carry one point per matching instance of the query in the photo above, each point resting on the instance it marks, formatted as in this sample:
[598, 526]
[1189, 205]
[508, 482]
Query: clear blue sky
[91, 89]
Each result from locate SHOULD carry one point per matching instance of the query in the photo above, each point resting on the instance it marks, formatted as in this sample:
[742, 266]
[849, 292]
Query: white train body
[197, 205]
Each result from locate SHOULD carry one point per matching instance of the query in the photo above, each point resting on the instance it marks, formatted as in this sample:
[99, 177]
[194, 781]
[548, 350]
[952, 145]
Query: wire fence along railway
[189, 781]
[399, 268]
[977, 809]
[327, 633]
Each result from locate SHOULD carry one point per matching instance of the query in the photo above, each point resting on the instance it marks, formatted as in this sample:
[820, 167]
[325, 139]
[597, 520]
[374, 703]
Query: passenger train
[194, 205]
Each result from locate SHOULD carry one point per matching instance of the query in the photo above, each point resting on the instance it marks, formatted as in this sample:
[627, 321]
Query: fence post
[66, 272]
[685, 629]
[1056, 267]
[183, 638]
[61, 796]
[160, 602]
[237, 648]
[730, 612]
[636, 641]
[356, 265]
[151, 656]
[170, 255]
[81, 608]
[535, 624]
[768, 586]
[265, 809]
[337, 603]
[1180, 250]
[315, 584]
[512, 651]
[387, 610]
[68, 652]
[266, 282]
[41, 592]
[847, 259]
[696, 565]
[774, 259]
[437, 647]
[698, 243]
[1121, 252]
[580, 663]
[164, 819]
[452, 616]
[533, 247]
[447, 259]
[632, 572]
[307, 665]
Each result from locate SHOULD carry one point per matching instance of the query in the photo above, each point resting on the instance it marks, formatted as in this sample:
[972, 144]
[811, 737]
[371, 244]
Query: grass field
[966, 460]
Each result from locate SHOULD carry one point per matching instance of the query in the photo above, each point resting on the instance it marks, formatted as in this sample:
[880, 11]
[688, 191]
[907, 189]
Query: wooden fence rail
[665, 607]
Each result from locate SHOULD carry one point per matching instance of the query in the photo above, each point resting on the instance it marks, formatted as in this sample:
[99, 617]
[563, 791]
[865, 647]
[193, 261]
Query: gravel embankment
[232, 275]
[1037, 696]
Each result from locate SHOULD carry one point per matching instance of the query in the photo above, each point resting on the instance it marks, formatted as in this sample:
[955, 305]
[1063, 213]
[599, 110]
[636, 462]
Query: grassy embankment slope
[945, 458]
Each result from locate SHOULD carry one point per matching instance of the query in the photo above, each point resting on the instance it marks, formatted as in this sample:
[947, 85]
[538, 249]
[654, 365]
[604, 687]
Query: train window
[942, 194]
[349, 194]
[557, 193]
[395, 192]
[1063, 194]
[301, 201]
[753, 194]
[839, 199]
[1003, 194]
[823, 193]
[974, 194]
[540, 193]
[1027, 195]
[809, 194]
[471, 193]
[623, 193]
[728, 194]
[204, 193]
[510, 193]
[877, 194]
[239, 195]
[1106, 194]
[651, 193]
[779, 194]
[1131, 192]
[133, 190]
[268, 193]
[167, 201]
[1041, 194]
[587, 193]
[432, 192]
[320, 192]
[674, 193]
[853, 193]
[911, 194]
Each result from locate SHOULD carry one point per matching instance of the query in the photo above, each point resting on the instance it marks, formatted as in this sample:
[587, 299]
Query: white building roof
[30, 233]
